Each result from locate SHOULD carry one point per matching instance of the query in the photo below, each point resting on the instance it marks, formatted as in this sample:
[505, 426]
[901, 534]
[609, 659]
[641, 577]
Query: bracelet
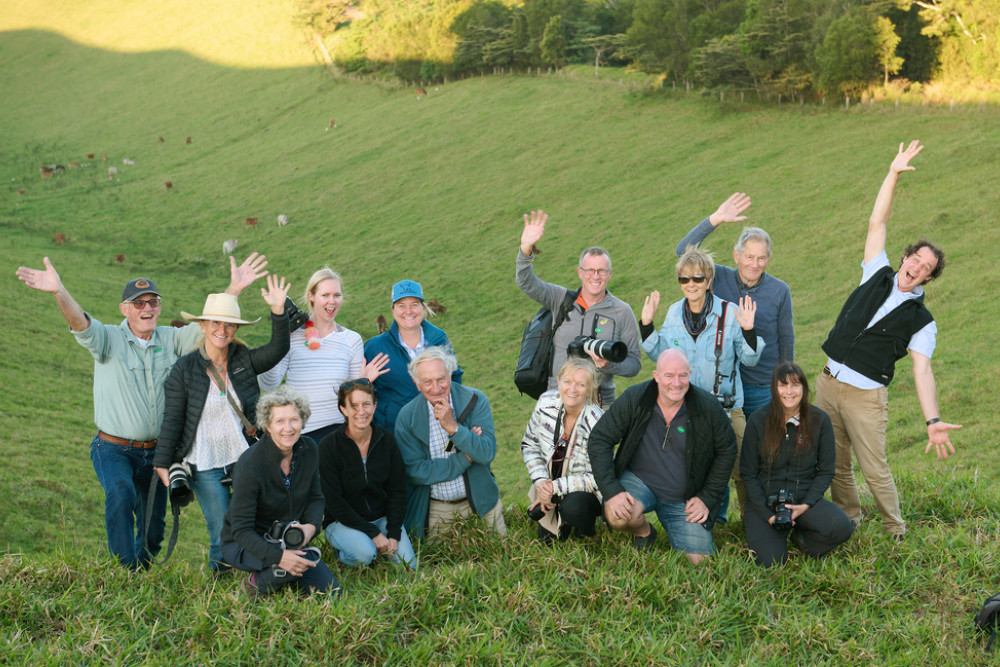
[933, 421]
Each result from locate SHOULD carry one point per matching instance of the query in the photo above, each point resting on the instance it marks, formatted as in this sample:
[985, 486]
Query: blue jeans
[125, 473]
[317, 579]
[755, 397]
[691, 538]
[355, 548]
[214, 501]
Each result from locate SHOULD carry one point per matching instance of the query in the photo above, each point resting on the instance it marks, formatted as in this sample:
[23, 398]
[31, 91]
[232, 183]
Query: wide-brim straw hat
[221, 308]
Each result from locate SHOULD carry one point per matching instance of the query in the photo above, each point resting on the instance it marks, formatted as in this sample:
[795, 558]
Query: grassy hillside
[433, 190]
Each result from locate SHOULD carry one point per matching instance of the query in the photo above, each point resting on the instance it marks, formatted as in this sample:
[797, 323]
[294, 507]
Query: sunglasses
[684, 280]
[142, 303]
[350, 384]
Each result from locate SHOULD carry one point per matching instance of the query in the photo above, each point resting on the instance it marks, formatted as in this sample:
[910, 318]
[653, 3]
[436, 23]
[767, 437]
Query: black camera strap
[450, 446]
[175, 511]
[248, 428]
[720, 338]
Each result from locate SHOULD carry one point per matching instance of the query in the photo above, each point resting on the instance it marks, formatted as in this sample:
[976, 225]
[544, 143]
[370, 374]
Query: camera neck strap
[720, 338]
[249, 428]
[175, 510]
[466, 411]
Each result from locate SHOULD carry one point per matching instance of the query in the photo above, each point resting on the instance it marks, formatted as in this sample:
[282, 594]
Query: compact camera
[614, 351]
[179, 482]
[779, 503]
[536, 513]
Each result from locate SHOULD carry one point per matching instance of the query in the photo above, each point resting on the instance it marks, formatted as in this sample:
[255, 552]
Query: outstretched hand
[374, 368]
[534, 228]
[244, 275]
[902, 161]
[730, 210]
[937, 437]
[649, 306]
[747, 312]
[274, 295]
[46, 280]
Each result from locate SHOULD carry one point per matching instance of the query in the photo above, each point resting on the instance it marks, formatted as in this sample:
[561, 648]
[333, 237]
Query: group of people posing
[374, 444]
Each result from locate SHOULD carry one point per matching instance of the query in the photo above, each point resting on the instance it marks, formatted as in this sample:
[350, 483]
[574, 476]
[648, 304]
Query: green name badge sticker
[598, 330]
[680, 429]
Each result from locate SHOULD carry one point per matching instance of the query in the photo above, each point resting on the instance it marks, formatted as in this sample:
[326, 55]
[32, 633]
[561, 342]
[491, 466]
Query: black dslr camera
[296, 318]
[782, 515]
[536, 513]
[179, 475]
[287, 534]
[614, 351]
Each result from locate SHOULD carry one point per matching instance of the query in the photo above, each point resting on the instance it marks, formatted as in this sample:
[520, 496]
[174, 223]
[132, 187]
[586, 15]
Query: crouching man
[445, 436]
[676, 451]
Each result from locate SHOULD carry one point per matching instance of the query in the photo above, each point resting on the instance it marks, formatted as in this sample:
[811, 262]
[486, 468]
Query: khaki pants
[739, 422]
[859, 418]
[439, 512]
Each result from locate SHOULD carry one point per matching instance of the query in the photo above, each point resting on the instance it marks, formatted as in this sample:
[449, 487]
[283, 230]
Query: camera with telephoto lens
[727, 401]
[179, 483]
[287, 534]
[779, 503]
[613, 350]
[296, 318]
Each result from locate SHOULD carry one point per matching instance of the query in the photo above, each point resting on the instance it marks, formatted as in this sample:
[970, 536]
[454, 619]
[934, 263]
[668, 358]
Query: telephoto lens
[294, 537]
[180, 490]
[613, 351]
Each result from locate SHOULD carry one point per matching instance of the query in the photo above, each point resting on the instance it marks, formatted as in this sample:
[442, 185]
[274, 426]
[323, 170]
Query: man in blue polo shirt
[131, 362]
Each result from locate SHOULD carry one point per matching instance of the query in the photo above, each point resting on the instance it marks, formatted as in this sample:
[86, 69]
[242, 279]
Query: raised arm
[534, 228]
[47, 280]
[728, 211]
[937, 432]
[875, 243]
[244, 275]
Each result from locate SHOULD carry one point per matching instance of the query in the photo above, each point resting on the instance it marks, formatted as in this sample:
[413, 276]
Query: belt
[451, 502]
[138, 444]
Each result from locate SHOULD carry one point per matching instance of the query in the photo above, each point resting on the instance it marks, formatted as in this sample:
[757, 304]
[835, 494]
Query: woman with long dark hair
[787, 464]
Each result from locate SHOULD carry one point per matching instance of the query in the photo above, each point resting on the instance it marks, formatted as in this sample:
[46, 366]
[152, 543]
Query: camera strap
[175, 511]
[461, 418]
[248, 428]
[720, 338]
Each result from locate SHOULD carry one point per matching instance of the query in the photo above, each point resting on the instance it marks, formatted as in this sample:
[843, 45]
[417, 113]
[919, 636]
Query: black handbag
[534, 362]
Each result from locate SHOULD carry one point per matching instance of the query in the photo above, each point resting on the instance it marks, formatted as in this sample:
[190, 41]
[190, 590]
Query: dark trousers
[819, 529]
[317, 579]
[579, 511]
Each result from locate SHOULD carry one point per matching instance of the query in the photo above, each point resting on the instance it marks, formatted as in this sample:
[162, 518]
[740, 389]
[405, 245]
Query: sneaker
[250, 588]
[645, 543]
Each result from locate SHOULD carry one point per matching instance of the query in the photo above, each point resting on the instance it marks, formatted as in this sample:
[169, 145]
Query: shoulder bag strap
[250, 429]
[466, 411]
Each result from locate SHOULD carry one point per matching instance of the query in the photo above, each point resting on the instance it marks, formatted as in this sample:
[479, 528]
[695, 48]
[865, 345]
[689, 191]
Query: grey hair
[595, 251]
[699, 259]
[753, 234]
[436, 352]
[283, 395]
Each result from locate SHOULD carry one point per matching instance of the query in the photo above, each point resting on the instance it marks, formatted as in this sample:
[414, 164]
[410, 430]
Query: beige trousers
[439, 512]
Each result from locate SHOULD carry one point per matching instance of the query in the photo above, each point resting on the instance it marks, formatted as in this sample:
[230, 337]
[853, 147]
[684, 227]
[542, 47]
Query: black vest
[873, 352]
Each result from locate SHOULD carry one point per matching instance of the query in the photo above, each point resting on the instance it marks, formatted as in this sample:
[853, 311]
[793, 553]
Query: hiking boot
[645, 543]
[250, 588]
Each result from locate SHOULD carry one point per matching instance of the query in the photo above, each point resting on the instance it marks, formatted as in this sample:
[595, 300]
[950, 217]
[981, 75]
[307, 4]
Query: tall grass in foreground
[433, 190]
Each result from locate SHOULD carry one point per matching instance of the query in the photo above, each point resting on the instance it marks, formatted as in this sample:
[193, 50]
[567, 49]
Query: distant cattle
[112, 172]
[46, 172]
[188, 140]
[229, 247]
[421, 92]
[59, 238]
[73, 165]
[21, 191]
[128, 161]
[435, 308]
[120, 259]
[104, 158]
[169, 184]
[333, 124]
[91, 156]
[380, 324]
[160, 139]
[282, 220]
[250, 222]
[178, 323]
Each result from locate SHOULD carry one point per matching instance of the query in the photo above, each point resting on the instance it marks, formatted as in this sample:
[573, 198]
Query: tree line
[789, 48]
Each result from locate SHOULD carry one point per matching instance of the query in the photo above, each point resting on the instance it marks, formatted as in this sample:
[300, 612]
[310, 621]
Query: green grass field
[433, 190]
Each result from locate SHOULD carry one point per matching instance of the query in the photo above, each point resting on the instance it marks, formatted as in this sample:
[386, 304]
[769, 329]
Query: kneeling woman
[787, 464]
[564, 494]
[364, 484]
[275, 485]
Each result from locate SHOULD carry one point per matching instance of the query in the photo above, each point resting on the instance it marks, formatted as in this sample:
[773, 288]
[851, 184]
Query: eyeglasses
[684, 280]
[139, 304]
[226, 325]
[600, 273]
[350, 384]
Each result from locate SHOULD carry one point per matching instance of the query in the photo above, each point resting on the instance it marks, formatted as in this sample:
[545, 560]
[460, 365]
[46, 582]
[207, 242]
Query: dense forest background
[795, 49]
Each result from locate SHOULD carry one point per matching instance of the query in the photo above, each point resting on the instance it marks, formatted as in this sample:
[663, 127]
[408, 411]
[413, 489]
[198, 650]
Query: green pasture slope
[433, 190]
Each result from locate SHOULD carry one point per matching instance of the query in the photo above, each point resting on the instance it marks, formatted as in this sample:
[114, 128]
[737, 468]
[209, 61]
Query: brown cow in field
[421, 92]
[46, 172]
[188, 140]
[178, 323]
[250, 222]
[160, 139]
[435, 308]
[91, 156]
[120, 259]
[380, 324]
[333, 124]
[169, 184]
[74, 165]
[21, 191]
[59, 238]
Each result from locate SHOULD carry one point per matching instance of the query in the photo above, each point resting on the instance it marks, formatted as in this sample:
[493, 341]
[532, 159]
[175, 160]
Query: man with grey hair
[772, 296]
[596, 313]
[446, 438]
